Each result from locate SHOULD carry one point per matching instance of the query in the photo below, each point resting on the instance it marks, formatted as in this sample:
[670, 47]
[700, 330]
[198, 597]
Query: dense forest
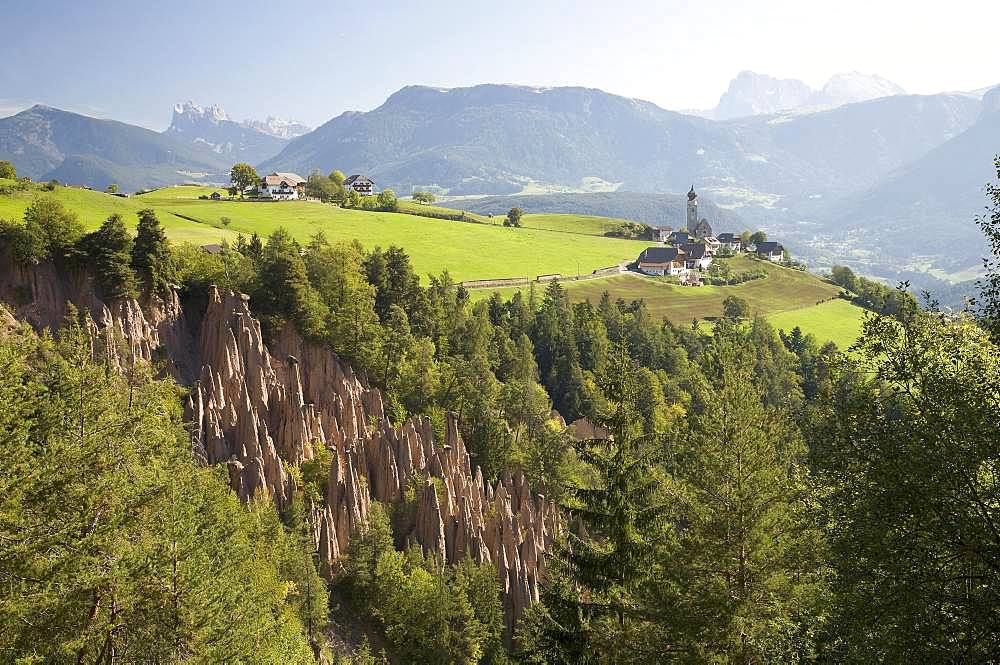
[740, 495]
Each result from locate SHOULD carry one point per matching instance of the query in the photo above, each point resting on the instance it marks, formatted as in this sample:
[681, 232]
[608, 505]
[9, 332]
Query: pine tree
[151, 256]
[595, 609]
[745, 581]
[115, 545]
[109, 251]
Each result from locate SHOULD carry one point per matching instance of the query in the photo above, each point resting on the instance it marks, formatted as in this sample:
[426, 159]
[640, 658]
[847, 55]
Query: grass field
[786, 297]
[94, 207]
[586, 224]
[467, 250]
[414, 208]
[835, 320]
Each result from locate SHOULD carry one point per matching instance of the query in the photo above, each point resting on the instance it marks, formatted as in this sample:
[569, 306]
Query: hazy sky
[312, 60]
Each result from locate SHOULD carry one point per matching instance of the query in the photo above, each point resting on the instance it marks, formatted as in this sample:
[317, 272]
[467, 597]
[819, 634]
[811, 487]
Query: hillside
[942, 190]
[652, 209]
[788, 297]
[502, 139]
[467, 250]
[45, 143]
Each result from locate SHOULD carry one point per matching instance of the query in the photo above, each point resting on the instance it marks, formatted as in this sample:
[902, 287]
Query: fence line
[504, 282]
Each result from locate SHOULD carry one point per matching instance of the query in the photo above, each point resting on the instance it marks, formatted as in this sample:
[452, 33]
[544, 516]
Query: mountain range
[759, 94]
[200, 144]
[247, 141]
[822, 174]
[46, 143]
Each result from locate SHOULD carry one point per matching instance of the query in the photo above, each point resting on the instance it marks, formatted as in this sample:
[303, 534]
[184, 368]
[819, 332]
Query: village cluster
[292, 186]
[685, 253]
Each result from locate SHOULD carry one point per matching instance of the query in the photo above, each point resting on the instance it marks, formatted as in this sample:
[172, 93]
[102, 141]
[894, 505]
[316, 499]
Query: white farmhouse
[282, 186]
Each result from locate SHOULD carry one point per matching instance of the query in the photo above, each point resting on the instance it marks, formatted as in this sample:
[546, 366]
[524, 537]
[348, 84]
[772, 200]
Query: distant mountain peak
[211, 127]
[213, 113]
[278, 127]
[750, 93]
[850, 87]
[193, 117]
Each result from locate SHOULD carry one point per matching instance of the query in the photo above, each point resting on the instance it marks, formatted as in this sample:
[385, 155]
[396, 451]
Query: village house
[282, 186]
[679, 237]
[361, 184]
[712, 243]
[662, 261]
[696, 256]
[731, 241]
[691, 278]
[663, 233]
[772, 251]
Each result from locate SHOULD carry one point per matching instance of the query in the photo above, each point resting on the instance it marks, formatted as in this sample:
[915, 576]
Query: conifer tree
[116, 547]
[595, 608]
[151, 256]
[109, 250]
[745, 580]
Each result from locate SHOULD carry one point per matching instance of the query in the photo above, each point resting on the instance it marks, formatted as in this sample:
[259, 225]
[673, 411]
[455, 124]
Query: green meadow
[787, 297]
[467, 250]
[838, 321]
[548, 243]
[585, 224]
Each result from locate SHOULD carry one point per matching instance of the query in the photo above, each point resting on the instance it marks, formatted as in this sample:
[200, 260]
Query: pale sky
[313, 60]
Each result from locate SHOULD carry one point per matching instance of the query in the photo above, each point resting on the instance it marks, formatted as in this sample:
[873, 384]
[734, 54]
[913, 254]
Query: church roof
[691, 195]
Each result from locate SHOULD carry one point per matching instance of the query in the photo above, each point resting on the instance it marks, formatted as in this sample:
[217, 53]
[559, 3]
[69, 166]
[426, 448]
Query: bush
[50, 232]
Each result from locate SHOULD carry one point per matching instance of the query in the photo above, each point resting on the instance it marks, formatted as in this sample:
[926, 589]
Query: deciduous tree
[243, 176]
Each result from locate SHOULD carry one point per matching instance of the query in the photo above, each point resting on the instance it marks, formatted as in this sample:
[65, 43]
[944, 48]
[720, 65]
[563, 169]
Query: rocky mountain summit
[279, 127]
[751, 94]
[257, 407]
[211, 127]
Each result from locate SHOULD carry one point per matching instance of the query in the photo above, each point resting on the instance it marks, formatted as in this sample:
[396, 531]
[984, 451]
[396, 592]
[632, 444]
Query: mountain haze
[942, 190]
[751, 93]
[494, 139]
[45, 143]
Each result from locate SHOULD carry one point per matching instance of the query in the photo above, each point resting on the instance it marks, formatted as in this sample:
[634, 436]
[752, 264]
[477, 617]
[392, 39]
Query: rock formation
[257, 409]
[253, 409]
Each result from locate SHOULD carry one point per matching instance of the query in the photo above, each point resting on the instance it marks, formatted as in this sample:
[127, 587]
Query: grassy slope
[565, 223]
[414, 208]
[586, 224]
[787, 297]
[95, 207]
[466, 250]
[836, 320]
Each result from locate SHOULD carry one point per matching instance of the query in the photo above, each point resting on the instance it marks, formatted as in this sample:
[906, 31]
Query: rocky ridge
[257, 409]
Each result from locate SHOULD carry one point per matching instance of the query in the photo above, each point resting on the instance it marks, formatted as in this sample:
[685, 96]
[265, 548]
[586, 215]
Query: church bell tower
[692, 210]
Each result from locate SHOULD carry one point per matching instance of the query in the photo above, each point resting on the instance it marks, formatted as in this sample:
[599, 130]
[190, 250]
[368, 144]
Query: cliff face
[256, 408]
[151, 329]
